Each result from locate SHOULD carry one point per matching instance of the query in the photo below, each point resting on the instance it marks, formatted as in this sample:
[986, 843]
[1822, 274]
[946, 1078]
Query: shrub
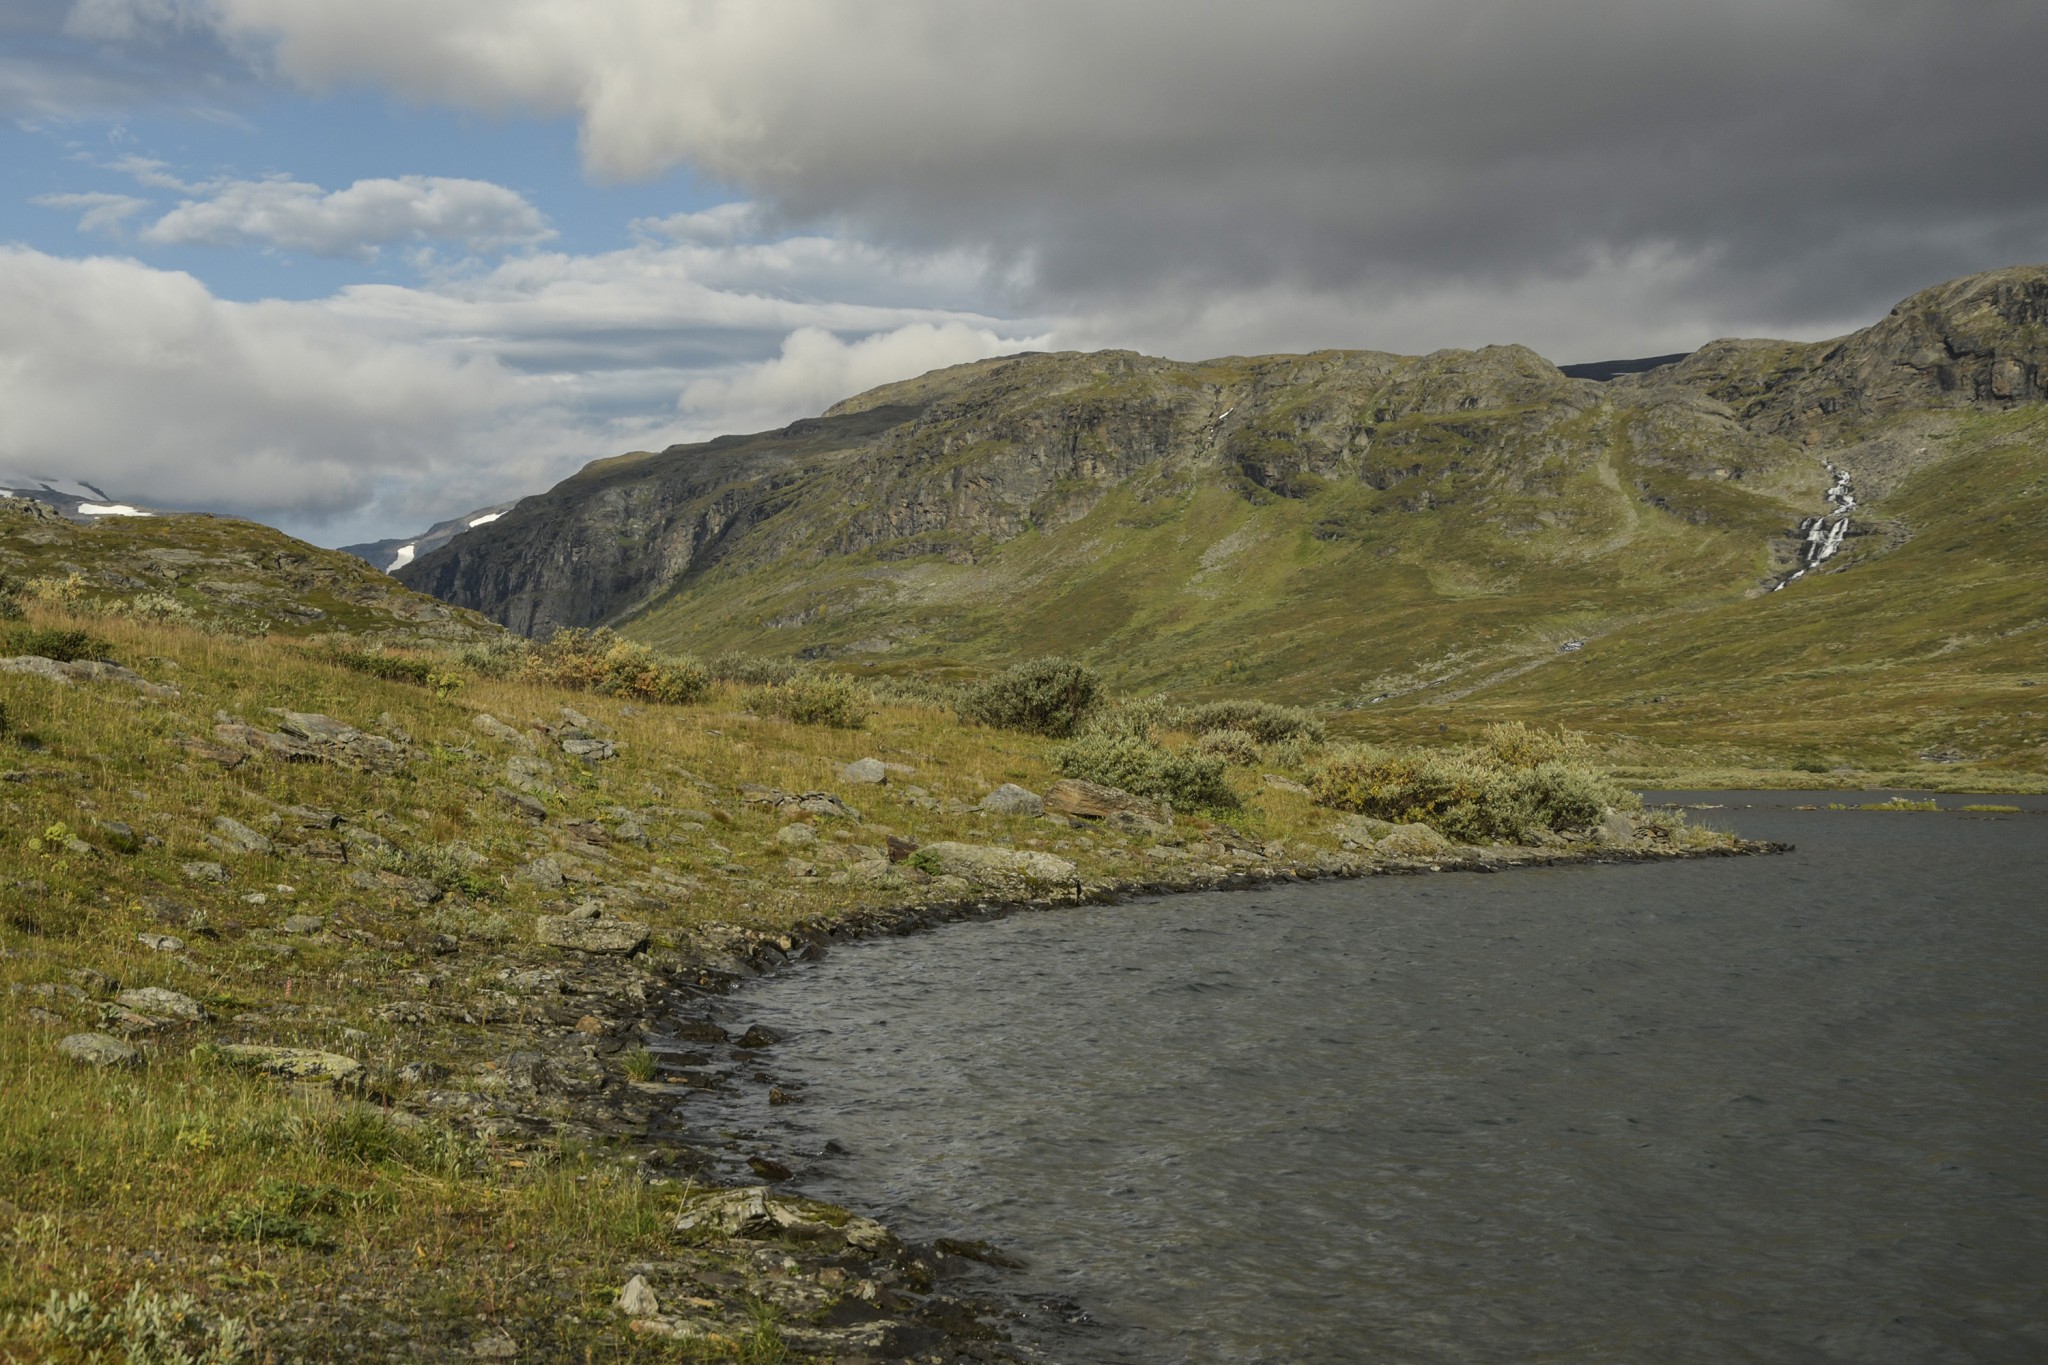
[1232, 746]
[500, 657]
[153, 606]
[10, 599]
[377, 664]
[602, 661]
[1470, 796]
[1140, 767]
[753, 669]
[1263, 721]
[1514, 744]
[65, 646]
[1050, 696]
[815, 699]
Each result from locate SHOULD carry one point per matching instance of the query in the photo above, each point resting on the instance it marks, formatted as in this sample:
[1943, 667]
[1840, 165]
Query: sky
[351, 269]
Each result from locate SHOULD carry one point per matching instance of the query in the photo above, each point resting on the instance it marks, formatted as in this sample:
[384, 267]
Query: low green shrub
[605, 662]
[1049, 696]
[1143, 768]
[499, 658]
[1262, 720]
[1517, 744]
[1472, 796]
[814, 699]
[377, 664]
[52, 642]
[1238, 747]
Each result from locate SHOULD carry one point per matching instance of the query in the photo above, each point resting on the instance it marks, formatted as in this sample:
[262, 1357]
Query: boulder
[205, 872]
[796, 836]
[83, 670]
[1005, 868]
[99, 1049]
[637, 1299]
[492, 728]
[1616, 827]
[164, 1004]
[294, 1063]
[161, 943]
[240, 836]
[1412, 841]
[586, 934]
[1092, 800]
[1011, 799]
[1361, 831]
[864, 770]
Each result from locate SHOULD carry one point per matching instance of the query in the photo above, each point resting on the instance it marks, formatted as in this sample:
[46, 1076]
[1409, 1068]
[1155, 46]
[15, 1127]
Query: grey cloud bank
[931, 181]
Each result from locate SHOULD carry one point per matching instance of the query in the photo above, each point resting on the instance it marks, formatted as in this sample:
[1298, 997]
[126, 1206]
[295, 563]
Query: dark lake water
[1787, 1109]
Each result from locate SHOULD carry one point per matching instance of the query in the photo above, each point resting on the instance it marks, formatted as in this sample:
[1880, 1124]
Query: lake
[1772, 1109]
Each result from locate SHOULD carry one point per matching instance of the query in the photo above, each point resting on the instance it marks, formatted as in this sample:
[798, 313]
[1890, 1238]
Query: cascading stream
[1821, 536]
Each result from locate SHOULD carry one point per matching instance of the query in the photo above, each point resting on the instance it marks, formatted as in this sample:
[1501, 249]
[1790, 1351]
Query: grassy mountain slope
[1375, 534]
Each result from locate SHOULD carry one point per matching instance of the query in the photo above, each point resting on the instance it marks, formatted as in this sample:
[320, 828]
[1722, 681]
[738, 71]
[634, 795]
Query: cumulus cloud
[1805, 161]
[354, 222]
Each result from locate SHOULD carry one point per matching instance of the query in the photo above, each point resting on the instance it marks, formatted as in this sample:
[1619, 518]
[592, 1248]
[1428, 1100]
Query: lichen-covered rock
[294, 1063]
[240, 837]
[585, 934]
[163, 1004]
[1003, 868]
[756, 1212]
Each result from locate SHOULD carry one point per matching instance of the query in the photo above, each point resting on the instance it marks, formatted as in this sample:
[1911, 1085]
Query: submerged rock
[756, 1212]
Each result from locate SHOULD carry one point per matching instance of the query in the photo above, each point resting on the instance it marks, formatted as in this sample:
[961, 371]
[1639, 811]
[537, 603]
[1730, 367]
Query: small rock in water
[99, 1049]
[769, 1169]
[759, 1036]
[637, 1299]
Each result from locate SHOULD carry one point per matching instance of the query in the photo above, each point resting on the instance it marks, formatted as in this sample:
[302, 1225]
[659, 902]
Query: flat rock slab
[294, 1063]
[83, 670]
[1093, 801]
[99, 1049]
[590, 935]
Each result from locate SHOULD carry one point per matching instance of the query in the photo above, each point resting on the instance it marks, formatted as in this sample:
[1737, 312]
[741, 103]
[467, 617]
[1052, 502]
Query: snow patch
[403, 558]
[110, 509]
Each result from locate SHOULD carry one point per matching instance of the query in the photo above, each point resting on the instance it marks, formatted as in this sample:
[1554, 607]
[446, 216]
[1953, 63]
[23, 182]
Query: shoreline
[909, 1310]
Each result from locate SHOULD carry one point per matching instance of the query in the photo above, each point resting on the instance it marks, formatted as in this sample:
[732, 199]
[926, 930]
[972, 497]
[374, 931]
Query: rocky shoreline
[840, 1286]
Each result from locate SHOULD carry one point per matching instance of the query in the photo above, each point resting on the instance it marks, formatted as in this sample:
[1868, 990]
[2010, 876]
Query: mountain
[222, 573]
[1758, 535]
[394, 554]
[74, 498]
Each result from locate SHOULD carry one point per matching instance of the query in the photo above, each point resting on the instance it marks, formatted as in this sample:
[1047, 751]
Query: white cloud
[353, 222]
[815, 369]
[97, 212]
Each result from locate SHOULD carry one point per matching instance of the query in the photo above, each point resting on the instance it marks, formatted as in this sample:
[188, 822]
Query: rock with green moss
[293, 1063]
[1008, 869]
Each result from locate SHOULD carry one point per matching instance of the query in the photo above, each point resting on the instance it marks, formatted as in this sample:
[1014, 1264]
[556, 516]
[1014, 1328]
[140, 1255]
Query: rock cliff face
[1105, 502]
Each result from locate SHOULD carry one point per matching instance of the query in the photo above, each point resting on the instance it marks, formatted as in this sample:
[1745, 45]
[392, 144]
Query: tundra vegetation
[233, 828]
